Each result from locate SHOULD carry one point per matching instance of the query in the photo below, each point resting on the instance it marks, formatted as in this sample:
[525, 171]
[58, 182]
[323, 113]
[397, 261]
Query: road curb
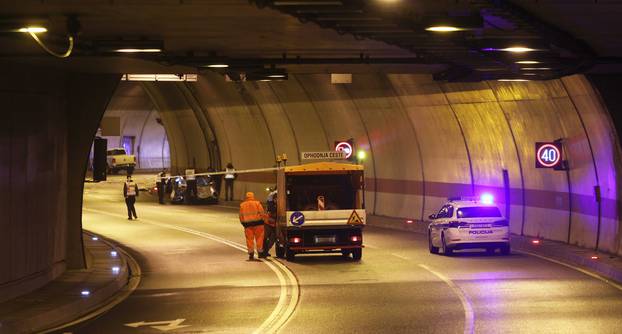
[104, 293]
[606, 266]
[113, 296]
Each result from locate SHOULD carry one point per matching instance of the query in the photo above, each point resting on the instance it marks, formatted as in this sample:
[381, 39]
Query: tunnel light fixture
[132, 50]
[443, 29]
[536, 69]
[32, 29]
[513, 49]
[528, 62]
[513, 80]
[535, 242]
[160, 77]
[113, 253]
[116, 270]
[94, 238]
[85, 293]
[217, 65]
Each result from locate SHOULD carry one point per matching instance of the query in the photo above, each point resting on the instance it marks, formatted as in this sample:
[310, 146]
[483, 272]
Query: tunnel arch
[418, 131]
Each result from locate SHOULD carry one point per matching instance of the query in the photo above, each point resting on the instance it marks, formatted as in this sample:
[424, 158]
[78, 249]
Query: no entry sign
[548, 155]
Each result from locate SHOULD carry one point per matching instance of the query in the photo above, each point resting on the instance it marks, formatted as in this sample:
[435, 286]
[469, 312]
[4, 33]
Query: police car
[468, 223]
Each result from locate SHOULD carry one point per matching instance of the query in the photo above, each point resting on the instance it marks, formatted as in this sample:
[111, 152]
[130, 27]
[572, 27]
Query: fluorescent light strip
[160, 77]
[129, 50]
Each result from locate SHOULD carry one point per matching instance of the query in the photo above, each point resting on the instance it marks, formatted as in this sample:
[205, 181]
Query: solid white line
[591, 274]
[266, 326]
[469, 316]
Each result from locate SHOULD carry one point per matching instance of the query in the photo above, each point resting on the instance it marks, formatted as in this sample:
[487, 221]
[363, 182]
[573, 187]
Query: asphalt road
[196, 273]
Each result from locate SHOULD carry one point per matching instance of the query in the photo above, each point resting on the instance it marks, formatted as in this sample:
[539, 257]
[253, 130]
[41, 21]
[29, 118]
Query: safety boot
[251, 256]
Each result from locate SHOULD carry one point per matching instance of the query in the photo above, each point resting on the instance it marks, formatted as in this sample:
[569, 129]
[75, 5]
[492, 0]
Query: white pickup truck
[118, 159]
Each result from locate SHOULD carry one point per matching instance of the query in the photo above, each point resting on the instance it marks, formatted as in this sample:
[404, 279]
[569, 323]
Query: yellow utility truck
[320, 209]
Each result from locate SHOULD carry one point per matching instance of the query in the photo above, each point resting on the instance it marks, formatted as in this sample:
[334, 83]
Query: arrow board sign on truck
[328, 155]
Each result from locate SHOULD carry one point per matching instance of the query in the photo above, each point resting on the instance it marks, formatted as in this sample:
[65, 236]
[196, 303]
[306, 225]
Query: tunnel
[429, 129]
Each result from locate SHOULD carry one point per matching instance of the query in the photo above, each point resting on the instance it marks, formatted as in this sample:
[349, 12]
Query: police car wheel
[290, 254]
[433, 250]
[280, 251]
[505, 250]
[357, 254]
[446, 250]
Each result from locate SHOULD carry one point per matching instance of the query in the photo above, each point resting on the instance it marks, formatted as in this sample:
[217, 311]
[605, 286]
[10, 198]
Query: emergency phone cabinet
[320, 209]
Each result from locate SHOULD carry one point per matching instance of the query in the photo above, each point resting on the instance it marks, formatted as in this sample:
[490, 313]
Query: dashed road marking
[400, 257]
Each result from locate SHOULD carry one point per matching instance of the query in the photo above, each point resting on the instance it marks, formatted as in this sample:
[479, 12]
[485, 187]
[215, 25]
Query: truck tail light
[356, 238]
[295, 240]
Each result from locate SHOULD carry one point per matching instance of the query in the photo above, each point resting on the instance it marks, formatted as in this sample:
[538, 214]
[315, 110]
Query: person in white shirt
[229, 178]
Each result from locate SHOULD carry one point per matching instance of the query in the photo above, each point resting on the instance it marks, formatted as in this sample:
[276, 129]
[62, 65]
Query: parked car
[206, 190]
[117, 159]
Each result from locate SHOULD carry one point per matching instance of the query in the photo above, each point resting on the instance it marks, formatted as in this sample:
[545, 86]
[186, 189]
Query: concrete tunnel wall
[45, 135]
[138, 118]
[425, 141]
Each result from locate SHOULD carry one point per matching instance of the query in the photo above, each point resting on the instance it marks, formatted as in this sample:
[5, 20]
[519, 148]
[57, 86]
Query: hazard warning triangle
[355, 219]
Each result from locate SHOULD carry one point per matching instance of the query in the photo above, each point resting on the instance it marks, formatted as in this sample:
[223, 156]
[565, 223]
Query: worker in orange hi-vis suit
[252, 218]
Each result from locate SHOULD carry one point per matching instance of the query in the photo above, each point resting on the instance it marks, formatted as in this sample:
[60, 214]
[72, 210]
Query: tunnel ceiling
[311, 36]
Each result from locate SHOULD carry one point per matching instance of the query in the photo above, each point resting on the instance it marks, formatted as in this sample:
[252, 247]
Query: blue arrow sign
[297, 218]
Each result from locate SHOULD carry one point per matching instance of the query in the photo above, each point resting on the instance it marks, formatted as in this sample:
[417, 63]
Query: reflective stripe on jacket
[230, 174]
[130, 188]
[251, 211]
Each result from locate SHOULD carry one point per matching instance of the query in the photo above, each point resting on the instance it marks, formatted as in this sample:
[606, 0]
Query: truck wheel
[280, 251]
[433, 250]
[290, 254]
[357, 254]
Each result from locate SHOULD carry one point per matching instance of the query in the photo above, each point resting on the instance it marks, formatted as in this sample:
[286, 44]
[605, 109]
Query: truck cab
[320, 209]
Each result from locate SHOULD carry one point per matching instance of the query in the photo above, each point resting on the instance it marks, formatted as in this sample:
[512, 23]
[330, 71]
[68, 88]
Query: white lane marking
[591, 274]
[277, 318]
[469, 316]
[400, 257]
[165, 326]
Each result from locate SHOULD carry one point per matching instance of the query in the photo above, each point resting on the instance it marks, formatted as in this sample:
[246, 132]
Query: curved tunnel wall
[139, 119]
[427, 141]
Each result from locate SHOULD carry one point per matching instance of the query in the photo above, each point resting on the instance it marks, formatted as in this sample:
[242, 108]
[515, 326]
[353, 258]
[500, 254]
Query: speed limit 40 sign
[548, 155]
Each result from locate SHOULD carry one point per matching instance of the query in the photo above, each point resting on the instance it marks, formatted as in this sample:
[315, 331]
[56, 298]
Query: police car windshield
[478, 212]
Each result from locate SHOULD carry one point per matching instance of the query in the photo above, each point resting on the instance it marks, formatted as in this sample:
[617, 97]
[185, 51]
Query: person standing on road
[229, 177]
[251, 217]
[270, 223]
[161, 184]
[130, 192]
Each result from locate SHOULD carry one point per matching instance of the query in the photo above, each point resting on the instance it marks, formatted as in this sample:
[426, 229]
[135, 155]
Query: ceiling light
[517, 49]
[276, 76]
[443, 29]
[513, 80]
[535, 68]
[218, 65]
[159, 77]
[33, 30]
[528, 62]
[137, 50]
